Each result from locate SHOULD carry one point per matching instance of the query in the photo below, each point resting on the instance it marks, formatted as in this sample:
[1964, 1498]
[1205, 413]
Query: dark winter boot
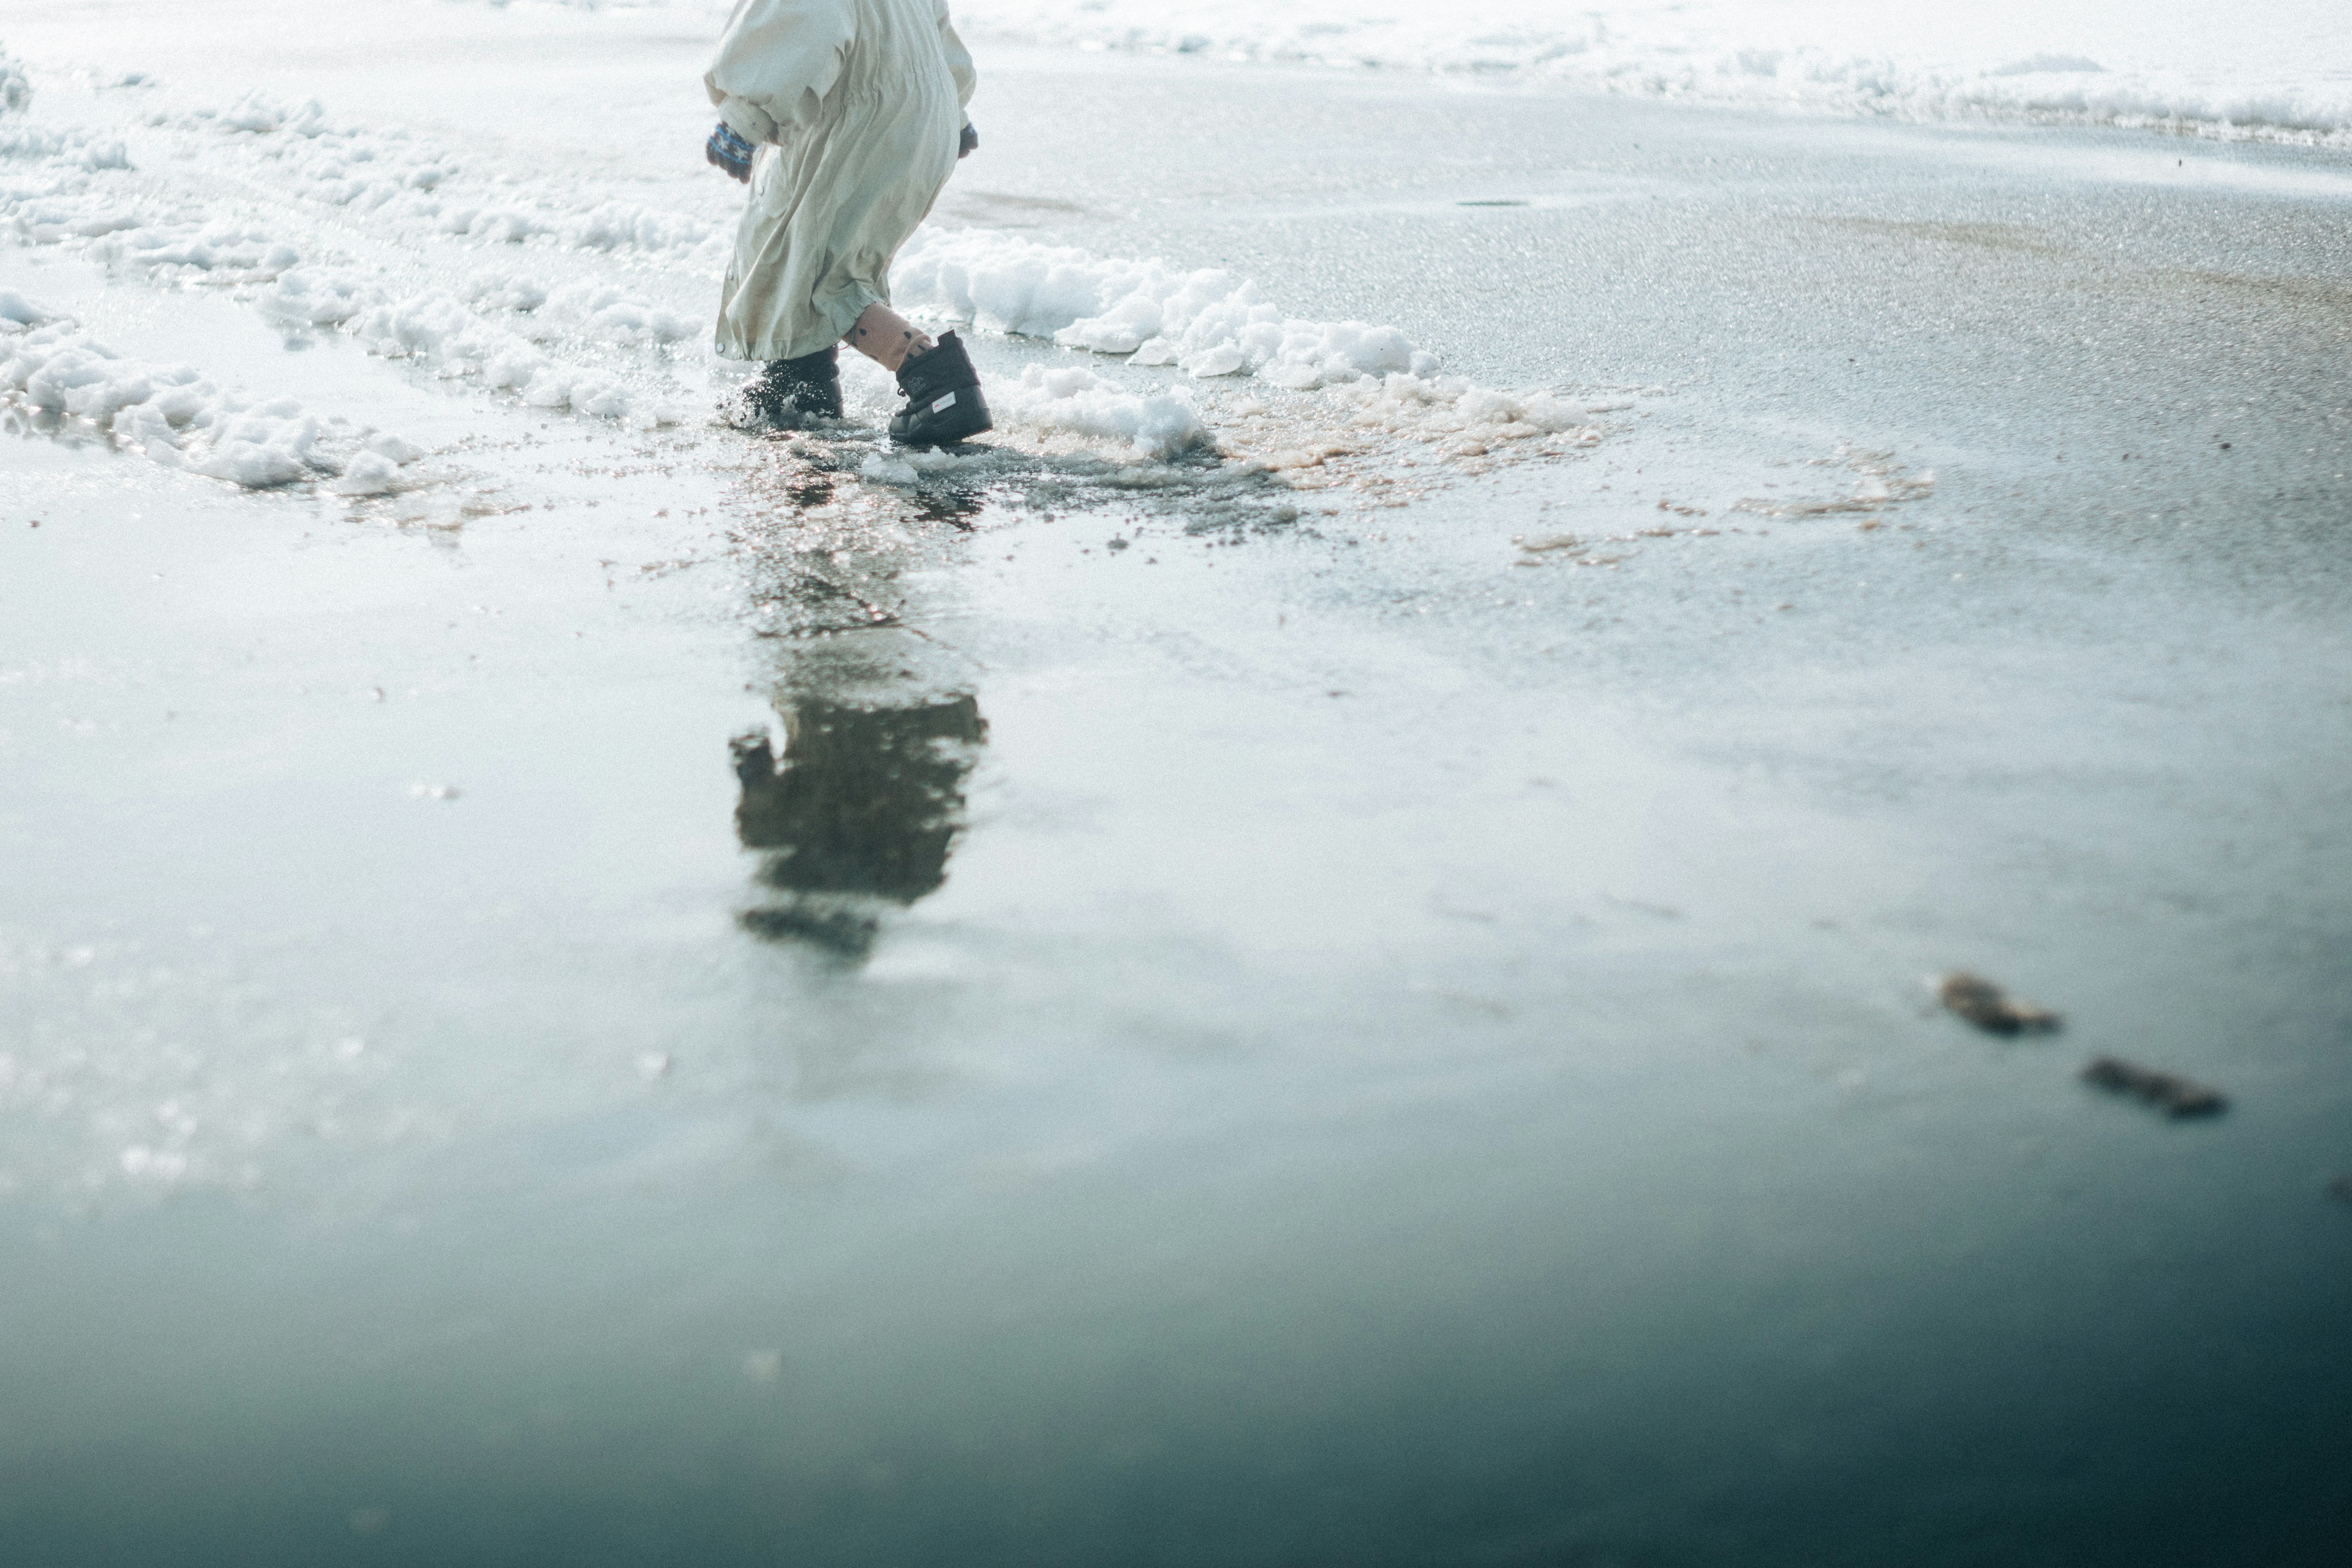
[943, 401]
[791, 392]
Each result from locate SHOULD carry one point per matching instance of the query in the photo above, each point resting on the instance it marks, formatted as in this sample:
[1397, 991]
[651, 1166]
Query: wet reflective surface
[864, 812]
[1203, 1038]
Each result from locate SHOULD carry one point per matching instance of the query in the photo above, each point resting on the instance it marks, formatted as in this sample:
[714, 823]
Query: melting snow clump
[1207, 322]
[173, 415]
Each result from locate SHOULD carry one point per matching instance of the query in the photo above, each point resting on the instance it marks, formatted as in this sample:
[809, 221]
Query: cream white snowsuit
[857, 106]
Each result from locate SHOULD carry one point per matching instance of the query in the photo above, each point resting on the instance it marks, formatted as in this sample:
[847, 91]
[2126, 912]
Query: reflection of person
[845, 117]
[864, 812]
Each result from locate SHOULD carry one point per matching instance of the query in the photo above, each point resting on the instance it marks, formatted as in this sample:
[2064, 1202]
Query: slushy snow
[1205, 322]
[338, 207]
[493, 334]
[173, 415]
[1209, 323]
[1073, 401]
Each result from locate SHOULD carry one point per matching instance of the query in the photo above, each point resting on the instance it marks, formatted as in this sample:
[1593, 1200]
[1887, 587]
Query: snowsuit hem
[861, 297]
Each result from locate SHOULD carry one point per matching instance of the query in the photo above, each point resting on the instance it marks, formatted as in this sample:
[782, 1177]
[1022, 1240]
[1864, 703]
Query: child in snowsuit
[845, 117]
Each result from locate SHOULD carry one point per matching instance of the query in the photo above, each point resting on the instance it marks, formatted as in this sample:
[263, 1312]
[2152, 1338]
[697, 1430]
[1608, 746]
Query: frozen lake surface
[1358, 1001]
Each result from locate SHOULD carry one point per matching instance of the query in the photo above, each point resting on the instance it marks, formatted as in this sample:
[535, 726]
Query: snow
[16, 87]
[170, 413]
[1207, 322]
[173, 415]
[585, 338]
[406, 183]
[2273, 69]
[1073, 401]
[390, 180]
[563, 295]
[1450, 406]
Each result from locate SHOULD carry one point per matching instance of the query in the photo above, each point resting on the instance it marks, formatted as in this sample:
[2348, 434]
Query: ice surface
[2275, 69]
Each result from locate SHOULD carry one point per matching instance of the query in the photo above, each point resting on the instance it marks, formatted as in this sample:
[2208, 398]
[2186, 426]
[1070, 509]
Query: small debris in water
[2173, 1095]
[1990, 1009]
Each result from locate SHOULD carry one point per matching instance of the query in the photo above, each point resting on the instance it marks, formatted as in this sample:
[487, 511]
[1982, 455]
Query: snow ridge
[2271, 69]
[1207, 322]
[386, 183]
[403, 184]
[172, 414]
[1071, 401]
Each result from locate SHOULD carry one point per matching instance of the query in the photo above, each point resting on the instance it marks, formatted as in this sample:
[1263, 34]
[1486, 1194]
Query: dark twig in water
[2173, 1095]
[1990, 1009]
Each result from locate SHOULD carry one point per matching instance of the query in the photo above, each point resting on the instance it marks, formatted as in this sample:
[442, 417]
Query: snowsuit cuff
[747, 119]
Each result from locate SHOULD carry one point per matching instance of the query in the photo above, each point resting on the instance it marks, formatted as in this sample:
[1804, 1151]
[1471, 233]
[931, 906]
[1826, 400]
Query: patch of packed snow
[2279, 69]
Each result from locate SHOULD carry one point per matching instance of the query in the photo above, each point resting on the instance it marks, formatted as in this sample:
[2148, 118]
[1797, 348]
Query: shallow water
[1308, 1042]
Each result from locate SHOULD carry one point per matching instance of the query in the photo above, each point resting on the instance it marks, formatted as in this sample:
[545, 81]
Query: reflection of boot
[943, 401]
[791, 392]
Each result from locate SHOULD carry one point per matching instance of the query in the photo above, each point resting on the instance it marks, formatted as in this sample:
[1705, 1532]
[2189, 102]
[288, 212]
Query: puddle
[858, 815]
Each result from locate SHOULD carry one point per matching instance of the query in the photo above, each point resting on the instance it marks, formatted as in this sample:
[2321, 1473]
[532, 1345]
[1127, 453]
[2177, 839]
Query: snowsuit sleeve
[776, 62]
[959, 61]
